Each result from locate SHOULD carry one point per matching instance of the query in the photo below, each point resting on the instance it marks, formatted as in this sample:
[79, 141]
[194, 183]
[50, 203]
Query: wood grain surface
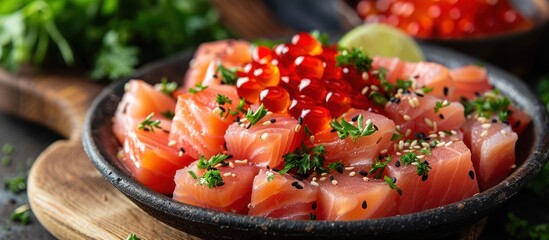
[67, 194]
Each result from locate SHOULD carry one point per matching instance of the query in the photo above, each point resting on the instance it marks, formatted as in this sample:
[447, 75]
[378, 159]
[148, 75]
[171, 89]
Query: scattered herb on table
[304, 160]
[519, 228]
[21, 214]
[16, 184]
[132, 236]
[7, 150]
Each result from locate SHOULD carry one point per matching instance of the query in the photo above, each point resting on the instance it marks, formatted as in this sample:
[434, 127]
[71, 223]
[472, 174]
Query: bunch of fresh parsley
[108, 38]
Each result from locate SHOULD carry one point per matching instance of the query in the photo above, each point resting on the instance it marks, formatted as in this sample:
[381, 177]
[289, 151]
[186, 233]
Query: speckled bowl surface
[451, 221]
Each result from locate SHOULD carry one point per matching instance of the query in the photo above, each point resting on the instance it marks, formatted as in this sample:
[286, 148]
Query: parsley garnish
[312, 216]
[439, 105]
[214, 160]
[355, 57]
[305, 159]
[212, 178]
[254, 117]
[391, 184]
[7, 150]
[404, 84]
[338, 166]
[427, 89]
[222, 99]
[344, 128]
[133, 237]
[378, 98]
[168, 114]
[17, 184]
[322, 37]
[396, 136]
[21, 214]
[422, 168]
[166, 87]
[379, 166]
[270, 178]
[425, 151]
[193, 174]
[148, 124]
[197, 88]
[228, 77]
[241, 105]
[490, 103]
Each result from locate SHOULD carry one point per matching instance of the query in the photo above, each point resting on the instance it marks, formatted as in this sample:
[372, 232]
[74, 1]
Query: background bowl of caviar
[507, 33]
[462, 219]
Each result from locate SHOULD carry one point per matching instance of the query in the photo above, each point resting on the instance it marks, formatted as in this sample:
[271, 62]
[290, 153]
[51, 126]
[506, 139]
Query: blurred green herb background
[106, 38]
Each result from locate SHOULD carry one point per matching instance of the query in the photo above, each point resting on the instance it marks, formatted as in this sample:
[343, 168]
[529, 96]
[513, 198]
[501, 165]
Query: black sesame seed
[300, 120]
[441, 116]
[376, 128]
[379, 140]
[225, 145]
[333, 130]
[472, 174]
[364, 204]
[237, 119]
[424, 177]
[249, 125]
[406, 91]
[354, 118]
[394, 179]
[296, 185]
[222, 109]
[297, 177]
[494, 120]
[339, 169]
[419, 94]
[477, 94]
[276, 169]
[212, 168]
[273, 120]
[445, 90]
[397, 164]
[214, 76]
[397, 101]
[224, 164]
[181, 149]
[505, 122]
[166, 131]
[392, 99]
[332, 177]
[314, 206]
[219, 184]
[363, 173]
[268, 167]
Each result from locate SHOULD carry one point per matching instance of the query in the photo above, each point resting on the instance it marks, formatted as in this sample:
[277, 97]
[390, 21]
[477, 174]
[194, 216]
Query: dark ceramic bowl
[451, 221]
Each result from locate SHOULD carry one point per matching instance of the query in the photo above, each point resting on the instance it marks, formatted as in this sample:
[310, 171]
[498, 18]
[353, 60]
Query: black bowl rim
[475, 207]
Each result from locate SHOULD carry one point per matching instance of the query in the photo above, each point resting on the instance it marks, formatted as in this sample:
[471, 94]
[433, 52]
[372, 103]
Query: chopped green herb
[335, 165]
[378, 98]
[17, 184]
[166, 87]
[396, 137]
[355, 57]
[133, 237]
[270, 178]
[439, 105]
[149, 124]
[425, 151]
[408, 158]
[270, 43]
[427, 89]
[378, 167]
[305, 159]
[168, 114]
[193, 174]
[240, 107]
[322, 37]
[345, 129]
[222, 99]
[487, 105]
[312, 216]
[519, 228]
[212, 178]
[7, 148]
[254, 117]
[391, 184]
[6, 160]
[197, 88]
[228, 76]
[422, 168]
[403, 84]
[21, 214]
[214, 160]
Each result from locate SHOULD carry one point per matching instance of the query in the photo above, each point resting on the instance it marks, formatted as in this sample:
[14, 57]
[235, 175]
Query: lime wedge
[383, 40]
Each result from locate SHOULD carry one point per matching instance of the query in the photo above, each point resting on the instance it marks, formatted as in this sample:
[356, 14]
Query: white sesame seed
[428, 122]
[397, 128]
[365, 90]
[231, 164]
[411, 103]
[406, 144]
[400, 145]
[503, 132]
[484, 133]
[417, 147]
[233, 175]
[406, 117]
[266, 123]
[243, 120]
[413, 143]
[374, 87]
[433, 135]
[440, 144]
[513, 166]
[322, 179]
[334, 182]
[264, 136]
[365, 179]
[448, 144]
[297, 128]
[456, 139]
[226, 174]
[323, 174]
[269, 113]
[352, 174]
[245, 161]
[486, 125]
[453, 132]
[425, 145]
[420, 156]
[172, 143]
[312, 138]
[349, 168]
[414, 163]
[398, 153]
[365, 76]
[408, 133]
[482, 119]
[435, 126]
[383, 151]
[218, 165]
[180, 154]
[314, 183]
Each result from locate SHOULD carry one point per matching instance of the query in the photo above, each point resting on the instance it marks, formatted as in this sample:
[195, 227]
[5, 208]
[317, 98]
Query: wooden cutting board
[67, 194]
